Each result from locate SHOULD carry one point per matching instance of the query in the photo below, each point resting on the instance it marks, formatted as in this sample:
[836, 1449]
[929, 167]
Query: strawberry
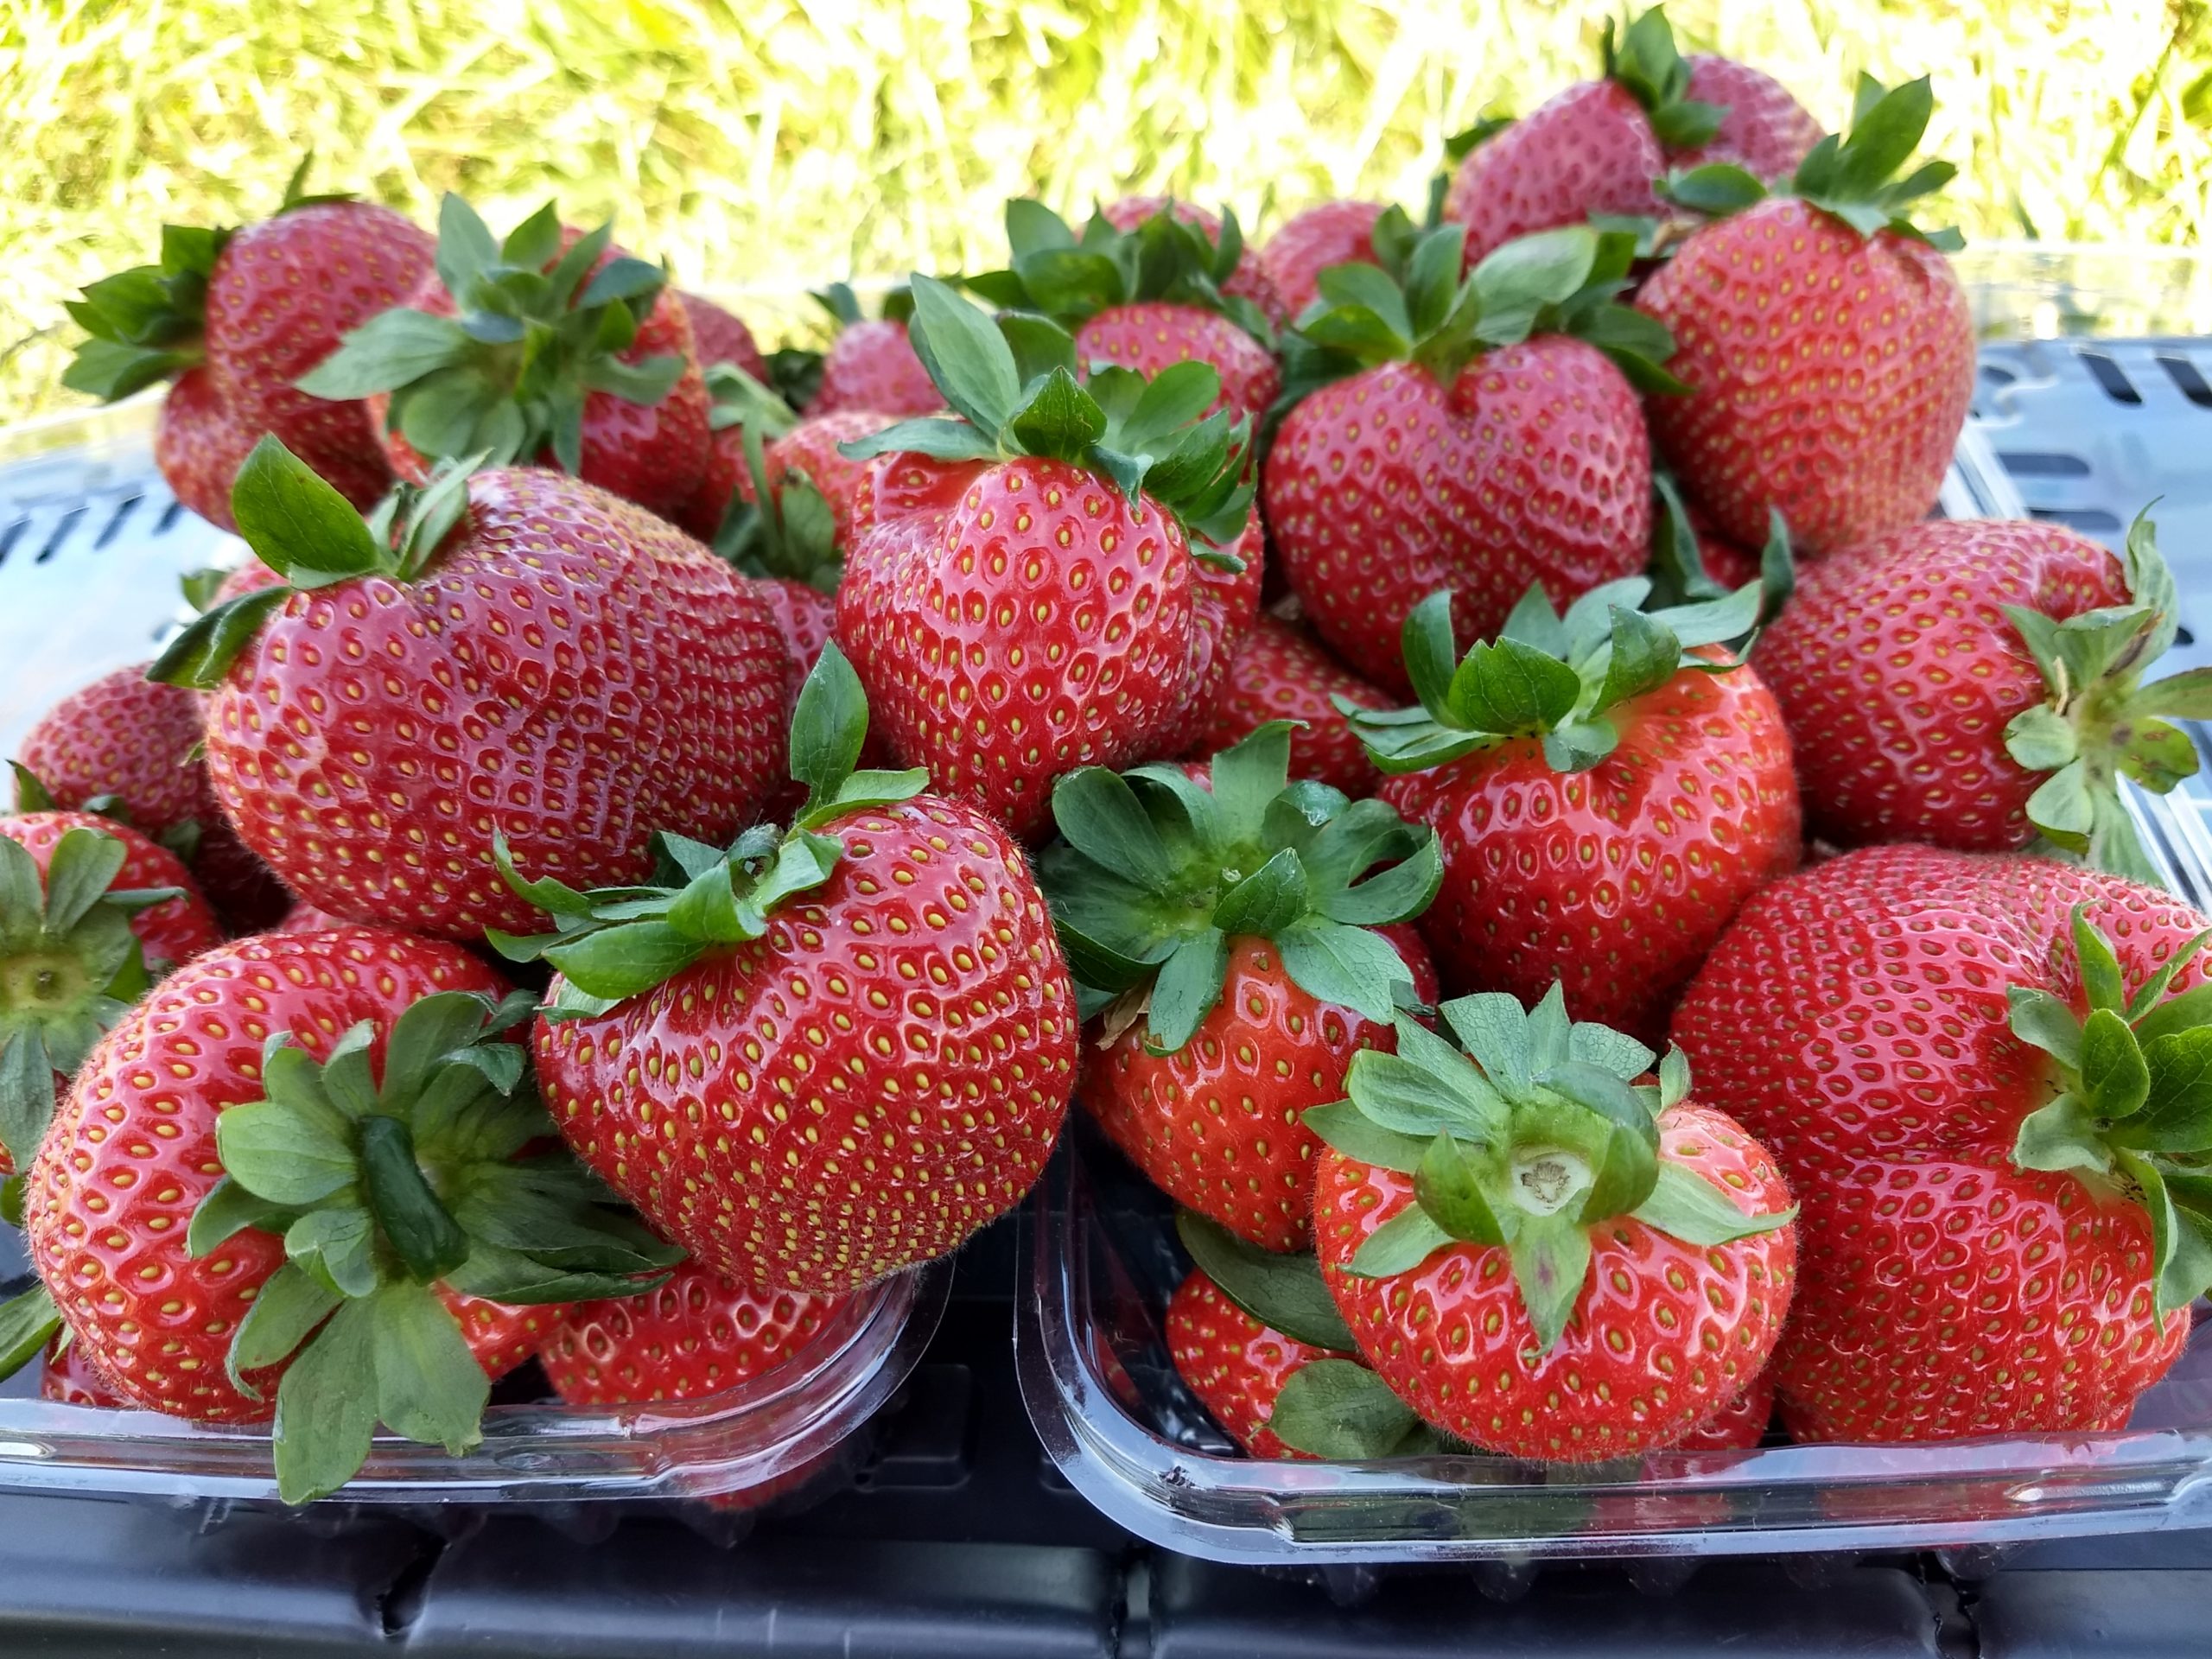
[551, 664]
[697, 1334]
[1474, 441]
[1145, 299]
[1974, 684]
[872, 366]
[91, 914]
[1247, 279]
[1537, 1254]
[825, 1055]
[306, 918]
[129, 746]
[1740, 1425]
[1606, 790]
[1306, 244]
[807, 446]
[1280, 673]
[1976, 1072]
[501, 1339]
[1225, 609]
[550, 348]
[285, 1167]
[1239, 961]
[721, 336]
[71, 1379]
[1025, 604]
[1597, 148]
[237, 316]
[1828, 344]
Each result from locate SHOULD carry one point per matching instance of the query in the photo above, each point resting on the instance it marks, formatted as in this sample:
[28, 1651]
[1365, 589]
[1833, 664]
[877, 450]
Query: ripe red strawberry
[71, 1379]
[1306, 244]
[1984, 1096]
[1598, 829]
[697, 1335]
[1844, 413]
[1584, 1269]
[1280, 673]
[1598, 147]
[132, 744]
[1449, 458]
[91, 914]
[719, 335]
[503, 1338]
[549, 665]
[1973, 684]
[238, 316]
[1235, 1363]
[1015, 619]
[283, 1167]
[844, 1048]
[1248, 278]
[871, 364]
[585, 368]
[1225, 609]
[1240, 960]
[1740, 1425]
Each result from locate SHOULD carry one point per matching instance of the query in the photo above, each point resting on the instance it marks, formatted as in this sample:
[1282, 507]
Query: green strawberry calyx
[788, 528]
[1645, 62]
[1334, 1407]
[385, 1187]
[309, 534]
[2101, 722]
[1417, 308]
[29, 1320]
[1678, 572]
[1559, 679]
[616, 943]
[2132, 1112]
[1014, 390]
[1852, 178]
[1069, 276]
[537, 331]
[1536, 1132]
[1155, 873]
[70, 967]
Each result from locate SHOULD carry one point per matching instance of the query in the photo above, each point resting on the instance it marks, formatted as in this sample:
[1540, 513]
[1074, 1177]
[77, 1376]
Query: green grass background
[775, 144]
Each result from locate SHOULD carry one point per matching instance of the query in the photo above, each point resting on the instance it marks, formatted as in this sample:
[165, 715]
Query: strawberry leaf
[326, 1407]
[1284, 1293]
[1339, 1410]
[1684, 1206]
[27, 1322]
[1399, 1245]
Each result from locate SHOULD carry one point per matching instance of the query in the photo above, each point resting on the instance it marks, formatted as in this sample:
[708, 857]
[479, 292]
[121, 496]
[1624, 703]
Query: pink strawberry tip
[537, 331]
[2101, 722]
[1851, 178]
[1533, 1131]
[1417, 308]
[1545, 675]
[1646, 64]
[385, 1188]
[1012, 385]
[305, 531]
[613, 943]
[1154, 874]
[70, 967]
[1678, 573]
[182, 837]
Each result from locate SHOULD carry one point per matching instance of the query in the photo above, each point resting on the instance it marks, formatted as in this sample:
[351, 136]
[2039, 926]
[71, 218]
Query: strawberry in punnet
[1984, 1077]
[720, 336]
[1606, 789]
[1476, 435]
[1237, 952]
[1826, 342]
[279, 1181]
[1308, 243]
[1145, 298]
[1280, 673]
[1740, 1425]
[91, 914]
[1246, 280]
[1975, 684]
[552, 348]
[872, 364]
[237, 316]
[72, 1380]
[1598, 147]
[1279, 1396]
[828, 1053]
[513, 654]
[1539, 1254]
[1026, 597]
[695, 1335]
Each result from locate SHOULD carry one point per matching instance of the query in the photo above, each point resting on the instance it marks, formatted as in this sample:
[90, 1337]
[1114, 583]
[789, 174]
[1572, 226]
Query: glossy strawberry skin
[1225, 609]
[1617, 880]
[873, 366]
[1280, 672]
[570, 671]
[697, 1335]
[69, 1378]
[132, 1152]
[719, 335]
[1830, 374]
[1767, 133]
[503, 1338]
[1219, 1125]
[1046, 624]
[1158, 334]
[1307, 244]
[1235, 1364]
[1898, 670]
[1662, 1335]
[860, 1089]
[1856, 1017]
[1531, 467]
[171, 932]
[1740, 1425]
[1589, 149]
[199, 443]
[809, 447]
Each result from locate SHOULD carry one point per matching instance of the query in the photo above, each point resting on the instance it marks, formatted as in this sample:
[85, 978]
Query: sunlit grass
[773, 144]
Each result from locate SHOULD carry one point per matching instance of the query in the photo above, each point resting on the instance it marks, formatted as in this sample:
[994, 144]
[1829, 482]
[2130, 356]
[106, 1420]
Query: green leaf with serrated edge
[520, 1280]
[299, 526]
[466, 248]
[2041, 739]
[1588, 623]
[28, 1323]
[1494, 1028]
[1363, 288]
[11, 1198]
[1267, 901]
[1284, 1293]
[420, 1230]
[326, 1407]
[2062, 1134]
[1342, 1125]
[282, 1154]
[1431, 281]
[1686, 1206]
[80, 870]
[2044, 1020]
[935, 437]
[428, 1030]
[1551, 1259]
[336, 1246]
[1448, 1188]
[624, 961]
[1432, 656]
[1548, 1031]
[31, 795]
[1608, 1049]
[1713, 622]
[2153, 989]
[347, 1082]
[228, 1211]
[2156, 755]
[1354, 968]
[1399, 1245]
[2039, 633]
[1427, 1079]
[1339, 1410]
[1674, 1077]
[2186, 695]
[2064, 807]
[2115, 1079]
[284, 1313]
[1170, 401]
[430, 1388]
[2177, 1115]
[2100, 967]
[393, 349]
[23, 895]
[1185, 989]
[2116, 847]
[966, 357]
